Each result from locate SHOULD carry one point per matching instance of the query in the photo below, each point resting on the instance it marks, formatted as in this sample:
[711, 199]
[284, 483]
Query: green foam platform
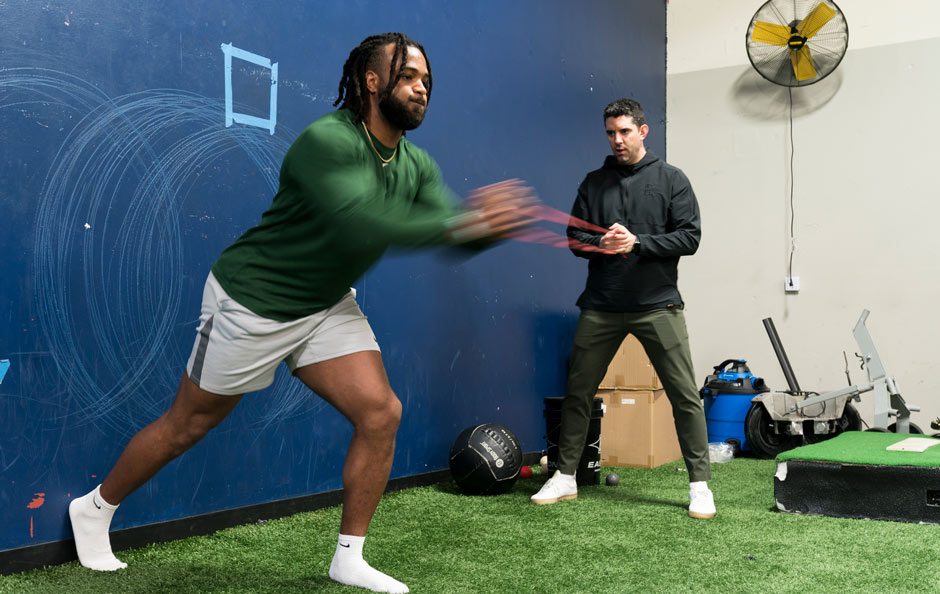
[854, 476]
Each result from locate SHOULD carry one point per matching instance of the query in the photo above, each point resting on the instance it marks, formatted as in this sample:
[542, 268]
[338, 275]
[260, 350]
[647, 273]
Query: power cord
[792, 213]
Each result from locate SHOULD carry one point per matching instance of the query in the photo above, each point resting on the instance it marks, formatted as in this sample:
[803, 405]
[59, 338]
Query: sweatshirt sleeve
[328, 166]
[685, 225]
[433, 193]
[580, 210]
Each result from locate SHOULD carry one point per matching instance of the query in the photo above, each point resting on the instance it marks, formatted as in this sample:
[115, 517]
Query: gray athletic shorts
[237, 350]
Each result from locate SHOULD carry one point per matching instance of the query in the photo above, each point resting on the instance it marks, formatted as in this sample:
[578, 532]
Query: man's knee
[185, 433]
[383, 417]
[193, 414]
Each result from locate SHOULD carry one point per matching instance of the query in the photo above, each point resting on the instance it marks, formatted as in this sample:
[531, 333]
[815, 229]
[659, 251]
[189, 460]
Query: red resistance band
[546, 237]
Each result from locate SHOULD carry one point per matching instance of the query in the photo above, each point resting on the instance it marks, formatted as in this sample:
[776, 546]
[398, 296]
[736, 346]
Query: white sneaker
[701, 501]
[558, 488]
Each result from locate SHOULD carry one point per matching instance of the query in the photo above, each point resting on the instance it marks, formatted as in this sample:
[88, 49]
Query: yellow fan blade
[770, 33]
[802, 61]
[816, 20]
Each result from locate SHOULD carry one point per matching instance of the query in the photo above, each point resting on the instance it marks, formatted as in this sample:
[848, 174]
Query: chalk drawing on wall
[233, 117]
[109, 267]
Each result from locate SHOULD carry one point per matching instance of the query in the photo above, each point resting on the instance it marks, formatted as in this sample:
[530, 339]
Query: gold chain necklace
[377, 153]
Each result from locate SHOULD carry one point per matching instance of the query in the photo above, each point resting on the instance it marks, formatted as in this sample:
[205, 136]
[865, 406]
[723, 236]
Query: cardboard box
[638, 429]
[631, 368]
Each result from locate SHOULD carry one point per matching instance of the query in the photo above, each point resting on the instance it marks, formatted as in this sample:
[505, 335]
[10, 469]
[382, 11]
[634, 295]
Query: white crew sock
[348, 567]
[91, 520]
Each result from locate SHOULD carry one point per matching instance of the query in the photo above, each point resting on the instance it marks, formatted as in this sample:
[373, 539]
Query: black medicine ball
[485, 459]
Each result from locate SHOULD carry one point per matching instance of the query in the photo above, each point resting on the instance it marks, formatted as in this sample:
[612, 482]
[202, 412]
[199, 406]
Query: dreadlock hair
[625, 107]
[352, 86]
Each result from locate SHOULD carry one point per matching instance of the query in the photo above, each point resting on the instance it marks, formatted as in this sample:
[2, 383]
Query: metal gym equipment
[779, 421]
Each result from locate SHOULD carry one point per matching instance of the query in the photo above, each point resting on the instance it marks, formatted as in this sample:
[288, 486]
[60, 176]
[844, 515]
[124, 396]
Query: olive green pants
[664, 336]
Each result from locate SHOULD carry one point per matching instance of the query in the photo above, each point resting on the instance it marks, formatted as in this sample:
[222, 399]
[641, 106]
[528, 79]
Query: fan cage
[827, 46]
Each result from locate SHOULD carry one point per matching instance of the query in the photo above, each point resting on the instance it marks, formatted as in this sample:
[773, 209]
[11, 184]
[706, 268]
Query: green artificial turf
[635, 537]
[866, 447]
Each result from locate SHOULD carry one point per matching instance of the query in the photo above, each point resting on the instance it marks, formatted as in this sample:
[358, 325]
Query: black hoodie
[655, 202]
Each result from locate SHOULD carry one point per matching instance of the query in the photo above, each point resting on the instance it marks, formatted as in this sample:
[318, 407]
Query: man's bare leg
[358, 387]
[193, 413]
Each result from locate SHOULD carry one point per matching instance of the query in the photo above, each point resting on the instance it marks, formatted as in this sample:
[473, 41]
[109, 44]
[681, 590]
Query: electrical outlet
[791, 284]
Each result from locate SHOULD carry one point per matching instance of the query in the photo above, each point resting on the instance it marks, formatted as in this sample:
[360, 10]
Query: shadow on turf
[531, 486]
[201, 578]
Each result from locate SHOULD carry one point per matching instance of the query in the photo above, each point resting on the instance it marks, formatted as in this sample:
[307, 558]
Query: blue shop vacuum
[727, 396]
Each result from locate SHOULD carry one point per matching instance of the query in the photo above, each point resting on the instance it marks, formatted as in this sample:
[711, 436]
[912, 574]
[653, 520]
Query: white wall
[865, 197]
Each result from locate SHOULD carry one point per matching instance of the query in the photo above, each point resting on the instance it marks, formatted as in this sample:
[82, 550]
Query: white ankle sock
[91, 520]
[348, 567]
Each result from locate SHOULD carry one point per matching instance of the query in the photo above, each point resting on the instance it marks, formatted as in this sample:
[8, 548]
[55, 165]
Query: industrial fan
[795, 43]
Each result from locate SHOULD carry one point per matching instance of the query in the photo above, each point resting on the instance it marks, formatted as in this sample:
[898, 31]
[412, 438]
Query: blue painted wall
[120, 184]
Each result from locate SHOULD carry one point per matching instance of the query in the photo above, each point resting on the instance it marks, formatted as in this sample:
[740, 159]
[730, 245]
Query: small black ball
[612, 479]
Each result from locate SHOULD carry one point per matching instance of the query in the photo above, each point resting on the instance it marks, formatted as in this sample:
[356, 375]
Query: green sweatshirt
[336, 211]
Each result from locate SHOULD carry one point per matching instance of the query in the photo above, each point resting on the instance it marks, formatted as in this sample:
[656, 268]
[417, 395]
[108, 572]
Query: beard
[399, 113]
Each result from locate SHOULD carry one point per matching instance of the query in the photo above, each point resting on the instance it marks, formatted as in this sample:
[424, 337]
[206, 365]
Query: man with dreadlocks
[350, 186]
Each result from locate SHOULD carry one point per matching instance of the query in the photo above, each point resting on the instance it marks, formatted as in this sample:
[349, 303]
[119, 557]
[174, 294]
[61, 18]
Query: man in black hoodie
[652, 218]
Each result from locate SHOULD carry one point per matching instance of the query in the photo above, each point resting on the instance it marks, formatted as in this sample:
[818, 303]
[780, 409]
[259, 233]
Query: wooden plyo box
[637, 429]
